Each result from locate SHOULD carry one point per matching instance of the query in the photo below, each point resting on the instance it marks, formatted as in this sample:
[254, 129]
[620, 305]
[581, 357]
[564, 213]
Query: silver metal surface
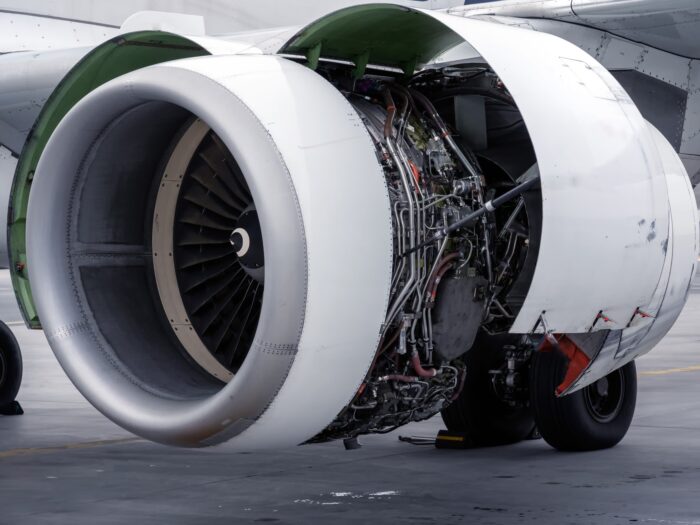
[646, 21]
[25, 84]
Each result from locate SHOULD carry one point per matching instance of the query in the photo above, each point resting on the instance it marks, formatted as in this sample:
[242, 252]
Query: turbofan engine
[281, 249]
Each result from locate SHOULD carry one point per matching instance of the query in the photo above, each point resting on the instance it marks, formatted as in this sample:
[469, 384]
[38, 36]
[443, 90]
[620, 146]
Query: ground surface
[64, 463]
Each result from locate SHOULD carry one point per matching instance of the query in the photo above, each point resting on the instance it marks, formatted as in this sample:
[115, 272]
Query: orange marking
[578, 360]
[416, 172]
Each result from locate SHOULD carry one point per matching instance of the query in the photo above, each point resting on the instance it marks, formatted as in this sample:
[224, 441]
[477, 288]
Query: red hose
[442, 268]
[418, 368]
[390, 114]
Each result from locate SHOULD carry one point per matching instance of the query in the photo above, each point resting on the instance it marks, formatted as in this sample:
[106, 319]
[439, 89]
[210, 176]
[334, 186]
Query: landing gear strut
[10, 372]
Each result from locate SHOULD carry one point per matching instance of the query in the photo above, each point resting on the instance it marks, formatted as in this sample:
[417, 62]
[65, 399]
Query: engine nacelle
[238, 247]
[305, 159]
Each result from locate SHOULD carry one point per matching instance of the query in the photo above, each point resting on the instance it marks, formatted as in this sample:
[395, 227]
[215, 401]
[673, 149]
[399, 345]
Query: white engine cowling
[611, 184]
[108, 243]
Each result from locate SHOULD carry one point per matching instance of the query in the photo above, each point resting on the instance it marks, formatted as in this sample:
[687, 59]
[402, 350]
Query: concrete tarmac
[64, 463]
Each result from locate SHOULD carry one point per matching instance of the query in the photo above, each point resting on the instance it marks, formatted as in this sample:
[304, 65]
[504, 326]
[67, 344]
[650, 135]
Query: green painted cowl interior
[110, 60]
[379, 34]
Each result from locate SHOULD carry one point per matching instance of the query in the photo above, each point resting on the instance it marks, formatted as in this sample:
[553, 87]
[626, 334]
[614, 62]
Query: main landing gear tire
[10, 367]
[594, 418]
[478, 413]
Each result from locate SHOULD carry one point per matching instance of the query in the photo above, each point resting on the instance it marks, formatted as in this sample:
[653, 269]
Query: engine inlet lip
[289, 363]
[115, 390]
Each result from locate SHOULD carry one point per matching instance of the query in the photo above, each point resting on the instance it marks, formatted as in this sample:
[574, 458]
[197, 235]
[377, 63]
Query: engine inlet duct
[196, 245]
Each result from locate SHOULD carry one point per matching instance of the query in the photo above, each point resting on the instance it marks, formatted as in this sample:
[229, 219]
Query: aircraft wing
[669, 25]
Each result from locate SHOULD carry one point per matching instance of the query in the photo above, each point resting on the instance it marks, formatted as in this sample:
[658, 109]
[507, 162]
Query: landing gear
[510, 395]
[493, 407]
[10, 372]
[594, 418]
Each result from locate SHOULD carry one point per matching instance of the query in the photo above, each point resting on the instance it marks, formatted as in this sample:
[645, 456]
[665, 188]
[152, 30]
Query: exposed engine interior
[449, 140]
[342, 238]
[208, 265]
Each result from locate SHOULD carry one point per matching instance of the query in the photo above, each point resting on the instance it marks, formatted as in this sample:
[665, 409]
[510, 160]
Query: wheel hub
[605, 397]
[602, 387]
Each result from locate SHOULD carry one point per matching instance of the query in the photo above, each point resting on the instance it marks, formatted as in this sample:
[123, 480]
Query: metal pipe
[403, 296]
[490, 206]
[393, 151]
[435, 116]
[511, 218]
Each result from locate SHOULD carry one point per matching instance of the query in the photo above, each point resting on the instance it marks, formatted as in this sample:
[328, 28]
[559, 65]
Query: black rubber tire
[10, 366]
[478, 413]
[567, 423]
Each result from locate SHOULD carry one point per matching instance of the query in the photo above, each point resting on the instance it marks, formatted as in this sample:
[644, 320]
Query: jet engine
[277, 249]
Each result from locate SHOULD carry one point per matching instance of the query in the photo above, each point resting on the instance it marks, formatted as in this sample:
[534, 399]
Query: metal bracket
[598, 317]
[639, 313]
[361, 62]
[542, 322]
[409, 67]
[312, 56]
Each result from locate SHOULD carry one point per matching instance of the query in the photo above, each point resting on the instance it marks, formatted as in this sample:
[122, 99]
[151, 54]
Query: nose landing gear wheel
[594, 418]
[10, 372]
